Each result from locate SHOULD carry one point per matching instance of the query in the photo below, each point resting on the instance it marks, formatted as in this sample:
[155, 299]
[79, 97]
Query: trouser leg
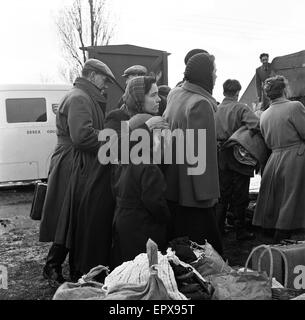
[56, 256]
[240, 201]
[221, 212]
[225, 182]
[52, 270]
[240, 197]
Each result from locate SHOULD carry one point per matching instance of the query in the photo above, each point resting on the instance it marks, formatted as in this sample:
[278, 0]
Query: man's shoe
[242, 235]
[54, 276]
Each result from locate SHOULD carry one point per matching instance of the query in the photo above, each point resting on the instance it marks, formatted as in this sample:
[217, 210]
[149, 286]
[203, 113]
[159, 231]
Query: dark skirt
[199, 224]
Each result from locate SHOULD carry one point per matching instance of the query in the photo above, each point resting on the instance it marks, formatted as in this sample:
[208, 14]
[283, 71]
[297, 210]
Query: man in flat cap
[130, 73]
[134, 71]
[79, 119]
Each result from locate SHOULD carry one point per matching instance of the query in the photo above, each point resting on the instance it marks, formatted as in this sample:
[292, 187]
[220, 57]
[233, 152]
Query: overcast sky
[235, 31]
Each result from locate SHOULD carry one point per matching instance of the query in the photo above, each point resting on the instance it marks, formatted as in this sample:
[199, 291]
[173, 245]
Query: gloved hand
[138, 120]
[157, 122]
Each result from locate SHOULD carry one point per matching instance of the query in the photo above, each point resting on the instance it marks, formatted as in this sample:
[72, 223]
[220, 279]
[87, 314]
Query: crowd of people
[103, 214]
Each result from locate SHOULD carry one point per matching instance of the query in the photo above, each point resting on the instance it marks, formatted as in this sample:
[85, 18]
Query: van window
[26, 110]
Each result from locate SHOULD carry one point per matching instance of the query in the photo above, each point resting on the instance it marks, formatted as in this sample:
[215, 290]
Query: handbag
[280, 265]
[38, 200]
[243, 285]
[85, 289]
[285, 257]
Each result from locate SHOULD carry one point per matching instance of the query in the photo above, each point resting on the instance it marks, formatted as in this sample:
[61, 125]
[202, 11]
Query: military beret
[135, 70]
[99, 66]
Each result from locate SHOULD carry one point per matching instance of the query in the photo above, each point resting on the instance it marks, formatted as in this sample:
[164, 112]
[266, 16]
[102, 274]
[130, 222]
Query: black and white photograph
[152, 150]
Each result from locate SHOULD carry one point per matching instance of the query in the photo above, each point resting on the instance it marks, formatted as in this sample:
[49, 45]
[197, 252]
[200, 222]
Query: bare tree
[85, 22]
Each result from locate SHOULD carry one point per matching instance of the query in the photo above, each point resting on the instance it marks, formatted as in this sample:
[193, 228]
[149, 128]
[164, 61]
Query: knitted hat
[192, 53]
[134, 95]
[199, 70]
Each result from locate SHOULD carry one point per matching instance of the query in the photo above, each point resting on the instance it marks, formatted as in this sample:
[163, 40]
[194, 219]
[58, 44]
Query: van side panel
[26, 147]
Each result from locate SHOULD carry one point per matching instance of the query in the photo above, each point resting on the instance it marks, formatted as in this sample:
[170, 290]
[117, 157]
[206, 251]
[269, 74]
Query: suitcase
[38, 200]
[294, 254]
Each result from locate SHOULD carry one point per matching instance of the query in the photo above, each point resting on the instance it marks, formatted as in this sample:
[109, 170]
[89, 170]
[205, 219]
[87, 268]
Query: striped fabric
[134, 95]
[137, 272]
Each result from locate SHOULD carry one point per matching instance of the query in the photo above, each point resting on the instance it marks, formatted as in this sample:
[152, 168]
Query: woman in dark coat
[141, 209]
[281, 200]
[92, 234]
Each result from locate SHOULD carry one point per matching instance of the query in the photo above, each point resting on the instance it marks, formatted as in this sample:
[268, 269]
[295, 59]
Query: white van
[28, 130]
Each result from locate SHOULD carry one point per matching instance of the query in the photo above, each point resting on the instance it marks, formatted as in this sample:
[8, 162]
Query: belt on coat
[299, 145]
[64, 141]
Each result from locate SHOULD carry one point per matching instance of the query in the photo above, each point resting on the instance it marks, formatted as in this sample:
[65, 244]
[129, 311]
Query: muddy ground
[24, 255]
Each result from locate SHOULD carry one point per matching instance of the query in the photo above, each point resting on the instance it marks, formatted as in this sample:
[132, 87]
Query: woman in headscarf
[281, 201]
[141, 209]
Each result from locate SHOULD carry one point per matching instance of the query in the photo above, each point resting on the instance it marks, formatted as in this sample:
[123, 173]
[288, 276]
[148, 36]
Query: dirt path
[20, 250]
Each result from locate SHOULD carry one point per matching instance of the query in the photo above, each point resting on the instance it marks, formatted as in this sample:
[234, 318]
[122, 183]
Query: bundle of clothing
[188, 271]
[178, 275]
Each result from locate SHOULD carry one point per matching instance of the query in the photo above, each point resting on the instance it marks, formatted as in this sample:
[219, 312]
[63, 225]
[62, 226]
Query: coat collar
[191, 87]
[228, 100]
[90, 89]
[279, 100]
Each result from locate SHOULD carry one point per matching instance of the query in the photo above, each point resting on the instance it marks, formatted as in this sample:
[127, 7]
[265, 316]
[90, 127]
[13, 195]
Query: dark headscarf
[199, 70]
